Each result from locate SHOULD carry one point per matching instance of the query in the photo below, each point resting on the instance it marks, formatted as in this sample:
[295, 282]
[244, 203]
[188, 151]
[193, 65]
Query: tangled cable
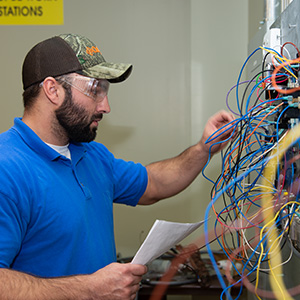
[258, 185]
[259, 182]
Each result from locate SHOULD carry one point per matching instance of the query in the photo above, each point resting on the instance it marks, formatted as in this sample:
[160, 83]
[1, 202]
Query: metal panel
[290, 26]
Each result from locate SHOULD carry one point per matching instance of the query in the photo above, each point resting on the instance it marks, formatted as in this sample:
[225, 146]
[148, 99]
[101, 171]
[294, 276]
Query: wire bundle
[266, 109]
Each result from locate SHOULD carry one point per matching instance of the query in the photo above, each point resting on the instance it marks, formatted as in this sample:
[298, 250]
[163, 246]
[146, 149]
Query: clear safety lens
[97, 89]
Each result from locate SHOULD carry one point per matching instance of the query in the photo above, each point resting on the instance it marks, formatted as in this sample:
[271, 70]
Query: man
[58, 186]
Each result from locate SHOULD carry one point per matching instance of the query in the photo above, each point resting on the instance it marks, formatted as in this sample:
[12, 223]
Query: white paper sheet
[162, 237]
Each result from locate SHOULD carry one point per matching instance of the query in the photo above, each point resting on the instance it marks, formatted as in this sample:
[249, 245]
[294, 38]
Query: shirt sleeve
[12, 228]
[131, 180]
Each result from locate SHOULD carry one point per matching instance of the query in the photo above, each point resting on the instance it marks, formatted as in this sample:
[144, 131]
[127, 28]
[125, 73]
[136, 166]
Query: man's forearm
[113, 282]
[20, 286]
[171, 176]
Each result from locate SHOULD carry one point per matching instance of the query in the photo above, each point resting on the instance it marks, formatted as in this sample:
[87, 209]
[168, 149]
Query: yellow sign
[31, 12]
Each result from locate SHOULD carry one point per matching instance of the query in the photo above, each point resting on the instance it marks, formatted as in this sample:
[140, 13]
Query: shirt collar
[36, 144]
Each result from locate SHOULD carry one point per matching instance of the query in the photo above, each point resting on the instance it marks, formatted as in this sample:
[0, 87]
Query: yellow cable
[275, 261]
[281, 59]
[273, 244]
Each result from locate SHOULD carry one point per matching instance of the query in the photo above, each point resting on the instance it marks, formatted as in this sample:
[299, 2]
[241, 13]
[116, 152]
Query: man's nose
[103, 106]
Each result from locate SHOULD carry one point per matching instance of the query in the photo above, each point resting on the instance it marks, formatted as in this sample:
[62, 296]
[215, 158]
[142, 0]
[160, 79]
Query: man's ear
[52, 90]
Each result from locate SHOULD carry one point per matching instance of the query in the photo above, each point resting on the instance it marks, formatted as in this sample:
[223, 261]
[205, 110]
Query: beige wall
[257, 16]
[186, 56]
[219, 38]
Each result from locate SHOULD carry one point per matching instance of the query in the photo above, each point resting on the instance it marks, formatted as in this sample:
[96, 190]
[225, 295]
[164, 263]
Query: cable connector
[288, 98]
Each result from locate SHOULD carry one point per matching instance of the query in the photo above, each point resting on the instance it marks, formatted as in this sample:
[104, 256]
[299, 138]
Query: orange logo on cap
[92, 50]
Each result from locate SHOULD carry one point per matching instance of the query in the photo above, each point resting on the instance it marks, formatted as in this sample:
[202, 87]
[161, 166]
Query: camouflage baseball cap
[68, 53]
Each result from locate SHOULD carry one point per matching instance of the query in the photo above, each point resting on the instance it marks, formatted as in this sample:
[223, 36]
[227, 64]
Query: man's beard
[75, 120]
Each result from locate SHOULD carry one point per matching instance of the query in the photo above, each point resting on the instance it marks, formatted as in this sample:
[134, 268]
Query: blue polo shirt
[56, 214]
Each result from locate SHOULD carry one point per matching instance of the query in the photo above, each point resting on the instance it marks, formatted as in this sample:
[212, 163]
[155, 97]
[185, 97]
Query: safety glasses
[96, 89]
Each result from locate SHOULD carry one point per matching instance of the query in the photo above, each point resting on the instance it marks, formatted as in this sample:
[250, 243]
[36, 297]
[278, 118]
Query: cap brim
[112, 72]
